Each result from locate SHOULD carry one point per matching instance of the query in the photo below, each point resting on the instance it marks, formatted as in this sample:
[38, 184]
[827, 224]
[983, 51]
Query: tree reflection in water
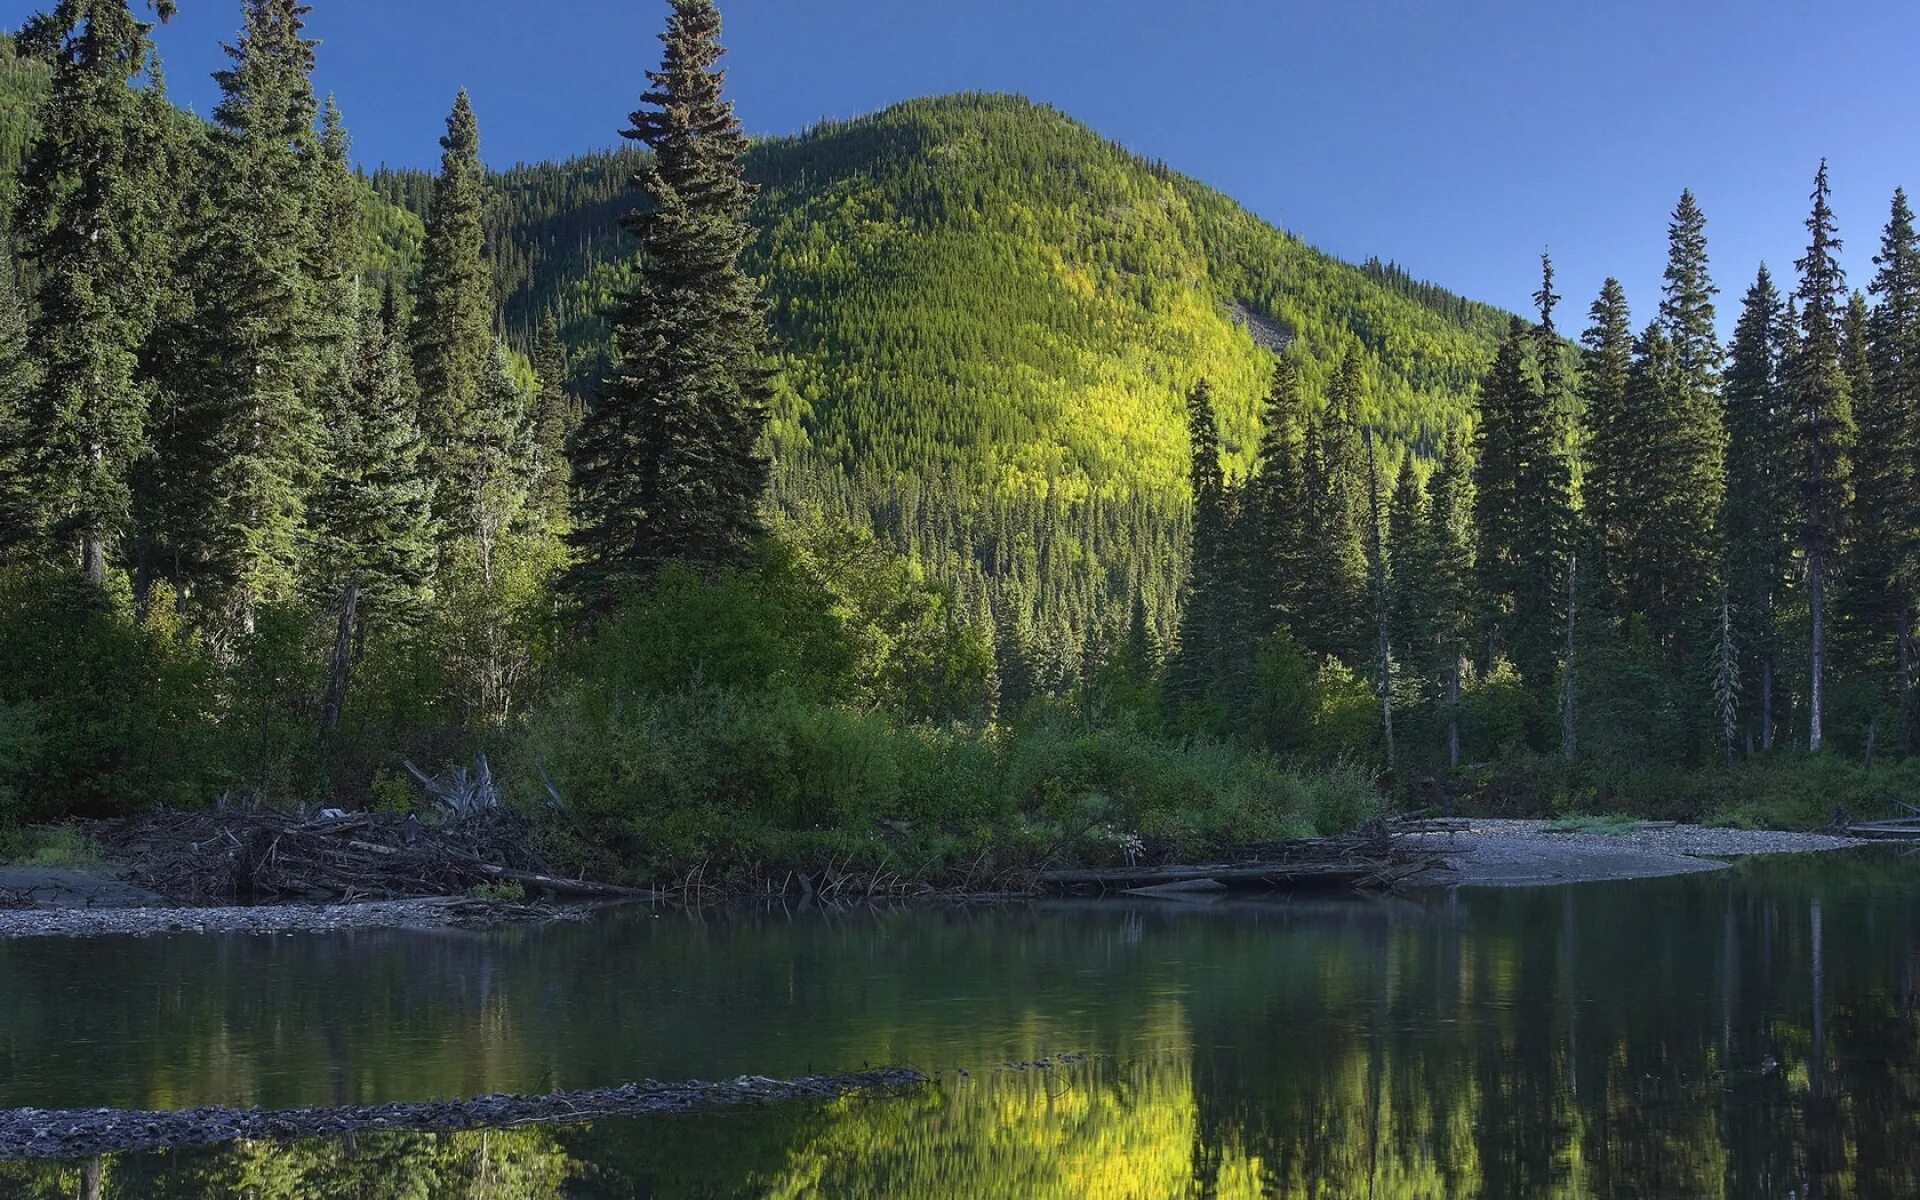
[1750, 1035]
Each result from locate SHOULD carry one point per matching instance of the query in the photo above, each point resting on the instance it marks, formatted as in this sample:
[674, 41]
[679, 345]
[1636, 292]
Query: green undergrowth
[46, 846]
[1784, 790]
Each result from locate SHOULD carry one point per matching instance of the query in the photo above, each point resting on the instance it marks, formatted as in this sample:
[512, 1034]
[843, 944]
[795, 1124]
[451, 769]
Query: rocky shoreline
[1532, 853]
[30, 1133]
[267, 919]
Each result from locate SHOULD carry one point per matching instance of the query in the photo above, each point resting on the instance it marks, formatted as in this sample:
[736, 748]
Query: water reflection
[1743, 1035]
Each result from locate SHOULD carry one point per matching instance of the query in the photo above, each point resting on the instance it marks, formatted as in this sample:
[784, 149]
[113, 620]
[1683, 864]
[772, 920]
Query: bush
[99, 715]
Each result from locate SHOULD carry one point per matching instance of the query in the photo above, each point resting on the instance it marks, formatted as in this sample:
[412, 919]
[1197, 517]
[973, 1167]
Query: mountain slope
[989, 317]
[979, 284]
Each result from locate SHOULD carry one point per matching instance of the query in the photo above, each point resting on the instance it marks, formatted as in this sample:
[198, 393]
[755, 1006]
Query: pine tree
[668, 464]
[499, 479]
[1895, 364]
[1869, 603]
[1449, 578]
[1277, 506]
[1522, 507]
[1822, 433]
[1407, 568]
[1197, 667]
[1686, 305]
[1334, 588]
[88, 221]
[555, 418]
[1757, 516]
[17, 502]
[372, 517]
[1610, 442]
[453, 315]
[254, 459]
[1381, 594]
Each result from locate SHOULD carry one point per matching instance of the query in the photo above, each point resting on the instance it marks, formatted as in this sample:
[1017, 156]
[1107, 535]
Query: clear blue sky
[1459, 138]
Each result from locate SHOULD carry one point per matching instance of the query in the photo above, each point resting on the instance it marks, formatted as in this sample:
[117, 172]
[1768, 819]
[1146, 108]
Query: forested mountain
[990, 317]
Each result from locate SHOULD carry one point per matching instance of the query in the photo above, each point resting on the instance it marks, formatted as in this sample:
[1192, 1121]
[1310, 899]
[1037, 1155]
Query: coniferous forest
[938, 484]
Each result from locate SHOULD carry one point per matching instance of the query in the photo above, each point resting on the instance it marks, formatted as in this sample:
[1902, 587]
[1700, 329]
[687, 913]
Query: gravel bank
[261, 919]
[1516, 853]
[39, 1133]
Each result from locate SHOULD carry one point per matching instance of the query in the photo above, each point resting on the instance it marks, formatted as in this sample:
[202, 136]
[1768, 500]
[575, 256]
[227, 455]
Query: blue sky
[1457, 138]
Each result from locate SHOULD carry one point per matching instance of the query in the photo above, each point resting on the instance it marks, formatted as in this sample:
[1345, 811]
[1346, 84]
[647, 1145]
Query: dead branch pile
[217, 856]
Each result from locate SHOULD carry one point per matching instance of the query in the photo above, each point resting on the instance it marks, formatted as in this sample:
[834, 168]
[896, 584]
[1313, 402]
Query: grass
[52, 846]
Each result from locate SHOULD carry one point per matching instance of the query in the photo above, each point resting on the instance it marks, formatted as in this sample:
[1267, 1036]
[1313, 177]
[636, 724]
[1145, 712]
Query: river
[1748, 1033]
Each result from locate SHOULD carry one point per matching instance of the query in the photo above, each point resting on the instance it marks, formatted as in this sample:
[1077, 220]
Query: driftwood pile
[1373, 859]
[220, 856]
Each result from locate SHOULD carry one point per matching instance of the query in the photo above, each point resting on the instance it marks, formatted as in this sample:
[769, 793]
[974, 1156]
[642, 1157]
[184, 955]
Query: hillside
[990, 316]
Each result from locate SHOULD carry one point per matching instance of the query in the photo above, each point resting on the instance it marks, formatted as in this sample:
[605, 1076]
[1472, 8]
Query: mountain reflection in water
[1746, 1034]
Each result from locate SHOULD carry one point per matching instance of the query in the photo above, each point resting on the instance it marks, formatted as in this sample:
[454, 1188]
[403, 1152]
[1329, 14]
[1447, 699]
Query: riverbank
[1533, 853]
[450, 912]
[39, 1133]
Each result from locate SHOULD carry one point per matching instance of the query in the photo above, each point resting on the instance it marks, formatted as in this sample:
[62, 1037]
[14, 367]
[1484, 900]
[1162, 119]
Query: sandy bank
[1515, 853]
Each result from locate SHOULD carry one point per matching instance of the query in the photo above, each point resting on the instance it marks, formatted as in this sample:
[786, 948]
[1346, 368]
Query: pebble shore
[259, 919]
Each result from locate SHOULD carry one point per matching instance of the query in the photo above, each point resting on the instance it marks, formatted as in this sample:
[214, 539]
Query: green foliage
[102, 715]
[669, 465]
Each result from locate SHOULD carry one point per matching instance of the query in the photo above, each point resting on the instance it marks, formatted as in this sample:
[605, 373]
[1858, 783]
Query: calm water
[1747, 1034]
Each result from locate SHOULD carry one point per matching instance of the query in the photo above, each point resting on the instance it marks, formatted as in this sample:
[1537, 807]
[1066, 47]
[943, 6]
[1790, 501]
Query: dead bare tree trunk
[91, 1173]
[340, 674]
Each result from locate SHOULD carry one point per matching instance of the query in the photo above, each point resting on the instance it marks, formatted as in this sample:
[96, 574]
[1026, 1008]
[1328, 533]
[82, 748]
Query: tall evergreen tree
[1822, 433]
[17, 501]
[555, 418]
[257, 431]
[1757, 520]
[1198, 664]
[1686, 305]
[1870, 604]
[453, 316]
[1522, 509]
[668, 464]
[1895, 363]
[1334, 589]
[372, 516]
[1609, 439]
[1277, 504]
[88, 221]
[1448, 560]
[1407, 568]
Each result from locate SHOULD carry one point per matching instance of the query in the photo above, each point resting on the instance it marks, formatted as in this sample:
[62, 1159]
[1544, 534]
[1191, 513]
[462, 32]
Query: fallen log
[1271, 876]
[35, 1133]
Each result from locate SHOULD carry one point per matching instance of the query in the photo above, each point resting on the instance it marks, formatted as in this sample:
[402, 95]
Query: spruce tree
[1895, 363]
[17, 501]
[1407, 568]
[1334, 602]
[555, 418]
[254, 461]
[372, 516]
[1610, 442]
[1822, 419]
[1869, 604]
[1686, 305]
[499, 462]
[668, 465]
[1522, 507]
[453, 316]
[88, 223]
[1277, 504]
[1757, 516]
[1448, 562]
[1197, 667]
